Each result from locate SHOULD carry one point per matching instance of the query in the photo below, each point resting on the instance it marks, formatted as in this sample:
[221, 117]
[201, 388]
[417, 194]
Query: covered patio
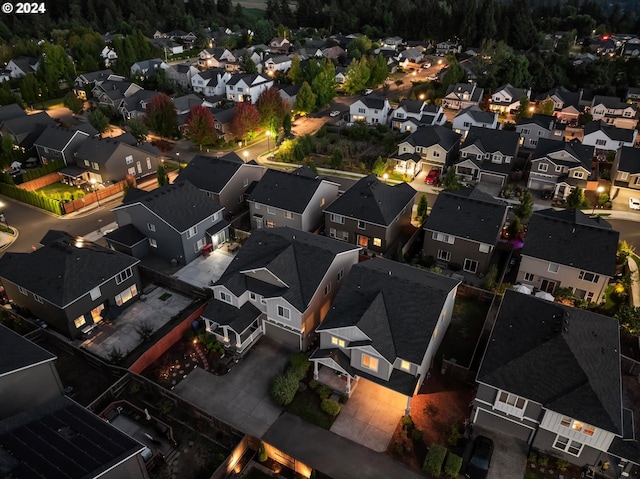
[237, 329]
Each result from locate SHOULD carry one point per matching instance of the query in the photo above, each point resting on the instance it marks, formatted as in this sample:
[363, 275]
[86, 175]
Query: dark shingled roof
[478, 115]
[30, 125]
[397, 306]
[9, 112]
[629, 160]
[373, 101]
[61, 439]
[469, 214]
[566, 359]
[491, 141]
[426, 136]
[617, 134]
[127, 235]
[181, 205]
[211, 173]
[373, 201]
[65, 269]
[570, 237]
[564, 153]
[55, 137]
[238, 319]
[17, 352]
[297, 258]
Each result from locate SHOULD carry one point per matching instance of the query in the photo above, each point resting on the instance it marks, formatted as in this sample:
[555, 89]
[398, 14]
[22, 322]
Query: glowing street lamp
[94, 187]
[246, 155]
[599, 190]
[385, 177]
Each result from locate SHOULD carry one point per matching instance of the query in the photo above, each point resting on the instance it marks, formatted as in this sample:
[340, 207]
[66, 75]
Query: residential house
[385, 326]
[247, 87]
[25, 129]
[19, 67]
[341, 75]
[135, 106]
[506, 99]
[632, 48]
[177, 221]
[111, 93]
[533, 129]
[371, 214]
[614, 112]
[181, 74]
[560, 167]
[288, 93]
[28, 375]
[412, 55]
[392, 43]
[56, 142]
[558, 253]
[279, 45]
[633, 96]
[108, 55]
[626, 168]
[210, 82]
[605, 45]
[225, 178]
[295, 199]
[147, 68]
[462, 95]
[606, 138]
[112, 159]
[566, 103]
[69, 283]
[11, 111]
[487, 155]
[183, 104]
[473, 116]
[186, 39]
[168, 46]
[216, 57]
[429, 147]
[222, 123]
[370, 109]
[551, 376]
[463, 229]
[84, 83]
[448, 47]
[276, 63]
[264, 291]
[411, 114]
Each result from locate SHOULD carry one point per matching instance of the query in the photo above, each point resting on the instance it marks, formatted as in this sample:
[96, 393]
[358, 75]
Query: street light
[268, 133]
[2, 217]
[599, 190]
[246, 155]
[94, 186]
[385, 177]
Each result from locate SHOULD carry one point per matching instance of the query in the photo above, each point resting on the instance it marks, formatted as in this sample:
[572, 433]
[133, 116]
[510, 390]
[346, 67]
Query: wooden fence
[41, 182]
[101, 194]
[629, 365]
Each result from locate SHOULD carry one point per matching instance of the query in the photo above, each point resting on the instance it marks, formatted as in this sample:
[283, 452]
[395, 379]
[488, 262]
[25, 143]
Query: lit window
[95, 293]
[577, 426]
[270, 224]
[126, 295]
[589, 430]
[337, 341]
[377, 242]
[80, 321]
[369, 362]
[284, 312]
[405, 365]
[565, 421]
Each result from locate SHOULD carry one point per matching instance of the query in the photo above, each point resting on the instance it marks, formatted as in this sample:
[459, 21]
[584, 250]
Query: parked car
[432, 177]
[634, 203]
[368, 91]
[426, 65]
[478, 466]
[334, 113]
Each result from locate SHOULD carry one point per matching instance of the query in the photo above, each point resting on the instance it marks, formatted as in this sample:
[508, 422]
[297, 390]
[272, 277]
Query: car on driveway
[634, 203]
[426, 65]
[478, 466]
[432, 177]
[368, 91]
[334, 113]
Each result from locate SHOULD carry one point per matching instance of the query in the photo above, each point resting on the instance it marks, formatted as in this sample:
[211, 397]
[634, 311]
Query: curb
[15, 236]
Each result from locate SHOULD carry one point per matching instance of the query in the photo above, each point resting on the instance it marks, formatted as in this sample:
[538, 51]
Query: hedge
[433, 461]
[299, 365]
[31, 198]
[50, 167]
[332, 408]
[284, 388]
[453, 465]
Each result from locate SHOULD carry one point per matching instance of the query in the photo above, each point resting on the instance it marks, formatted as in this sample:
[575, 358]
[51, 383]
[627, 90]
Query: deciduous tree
[357, 76]
[199, 126]
[324, 83]
[161, 116]
[138, 129]
[245, 120]
[163, 177]
[272, 109]
[73, 103]
[524, 210]
[295, 73]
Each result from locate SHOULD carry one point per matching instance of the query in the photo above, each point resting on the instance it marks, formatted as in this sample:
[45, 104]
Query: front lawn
[466, 326]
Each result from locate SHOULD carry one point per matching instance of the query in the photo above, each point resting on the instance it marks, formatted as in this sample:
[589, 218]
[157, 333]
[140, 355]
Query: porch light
[195, 340]
[421, 96]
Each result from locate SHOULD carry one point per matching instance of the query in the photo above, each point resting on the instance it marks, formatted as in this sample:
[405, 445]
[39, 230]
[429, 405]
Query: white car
[368, 91]
[426, 65]
[334, 113]
[634, 203]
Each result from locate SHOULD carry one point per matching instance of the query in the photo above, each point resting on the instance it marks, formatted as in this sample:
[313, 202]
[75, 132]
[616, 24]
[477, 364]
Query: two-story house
[135, 106]
[633, 94]
[539, 126]
[177, 221]
[222, 122]
[462, 95]
[463, 229]
[210, 82]
[370, 109]
[429, 147]
[216, 57]
[551, 376]
[24, 130]
[606, 138]
[295, 199]
[225, 178]
[56, 142]
[371, 214]
[111, 93]
[506, 99]
[85, 82]
[20, 66]
[279, 45]
[384, 326]
[487, 155]
[559, 253]
[559, 167]
[247, 87]
[69, 283]
[147, 68]
[280, 284]
[614, 112]
[448, 47]
[276, 63]
[181, 74]
[566, 103]
[474, 116]
[412, 114]
[625, 171]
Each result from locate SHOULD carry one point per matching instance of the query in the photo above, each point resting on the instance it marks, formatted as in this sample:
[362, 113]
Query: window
[369, 362]
[345, 236]
[199, 245]
[361, 225]
[436, 154]
[191, 232]
[444, 238]
[129, 159]
[444, 255]
[543, 167]
[252, 296]
[558, 168]
[377, 242]
[126, 295]
[327, 289]
[340, 275]
[37, 298]
[87, 163]
[510, 404]
[525, 131]
[322, 201]
[589, 430]
[529, 277]
[151, 227]
[257, 206]
[361, 110]
[22, 290]
[284, 312]
[79, 321]
[484, 248]
[591, 277]
[226, 297]
[95, 293]
[332, 232]
[601, 142]
[470, 265]
[578, 174]
[577, 426]
[624, 176]
[553, 268]
[337, 218]
[148, 163]
[270, 224]
[467, 124]
[565, 421]
[288, 215]
[153, 243]
[337, 342]
[132, 171]
[125, 275]
[569, 446]
[405, 365]
[271, 210]
[95, 165]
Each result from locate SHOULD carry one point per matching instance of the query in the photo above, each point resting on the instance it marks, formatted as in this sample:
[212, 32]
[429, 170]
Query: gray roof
[611, 102]
[459, 89]
[579, 153]
[373, 101]
[211, 73]
[617, 134]
[18, 353]
[65, 269]
[61, 439]
[299, 259]
[469, 214]
[56, 137]
[629, 160]
[92, 77]
[127, 235]
[135, 101]
[97, 150]
[211, 173]
[181, 205]
[430, 135]
[478, 115]
[248, 78]
[239, 319]
[373, 201]
[567, 97]
[31, 126]
[379, 298]
[516, 93]
[548, 122]
[86, 128]
[566, 359]
[412, 106]
[25, 64]
[492, 141]
[570, 237]
[185, 102]
[9, 112]
[224, 116]
[288, 191]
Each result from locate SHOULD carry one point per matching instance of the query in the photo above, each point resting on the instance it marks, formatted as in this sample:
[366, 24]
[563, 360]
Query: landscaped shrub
[50, 167]
[262, 453]
[284, 388]
[533, 457]
[543, 460]
[313, 384]
[31, 198]
[453, 434]
[434, 460]
[332, 408]
[562, 465]
[299, 365]
[323, 391]
[407, 422]
[453, 465]
[417, 435]
[398, 449]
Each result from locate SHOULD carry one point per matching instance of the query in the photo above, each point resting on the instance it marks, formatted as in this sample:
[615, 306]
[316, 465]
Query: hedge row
[31, 198]
[435, 459]
[50, 167]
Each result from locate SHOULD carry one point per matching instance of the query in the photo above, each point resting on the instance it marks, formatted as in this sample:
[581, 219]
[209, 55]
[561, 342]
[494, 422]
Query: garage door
[496, 180]
[287, 338]
[540, 185]
[491, 421]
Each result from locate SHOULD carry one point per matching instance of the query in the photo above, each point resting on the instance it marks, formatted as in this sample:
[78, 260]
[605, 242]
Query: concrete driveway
[370, 416]
[509, 454]
[241, 397]
[204, 269]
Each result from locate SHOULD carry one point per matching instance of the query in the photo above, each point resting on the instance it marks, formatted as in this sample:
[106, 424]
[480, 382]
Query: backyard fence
[150, 275]
[480, 294]
[31, 198]
[101, 194]
[40, 182]
[629, 365]
[457, 371]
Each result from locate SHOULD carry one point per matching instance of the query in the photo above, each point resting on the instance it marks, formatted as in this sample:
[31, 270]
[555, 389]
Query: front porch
[238, 343]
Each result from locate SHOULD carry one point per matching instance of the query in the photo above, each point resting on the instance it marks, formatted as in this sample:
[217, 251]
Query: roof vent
[566, 330]
[603, 350]
[389, 272]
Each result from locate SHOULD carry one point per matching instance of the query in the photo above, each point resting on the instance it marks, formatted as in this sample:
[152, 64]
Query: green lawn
[58, 188]
[465, 329]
